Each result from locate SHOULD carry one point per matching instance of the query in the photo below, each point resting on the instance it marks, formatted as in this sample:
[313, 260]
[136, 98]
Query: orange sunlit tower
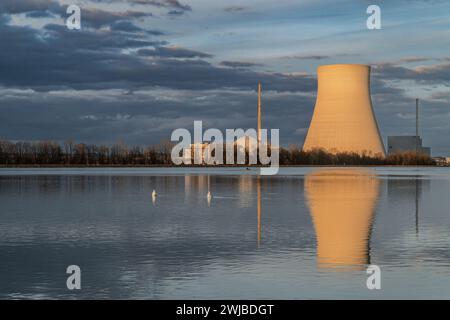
[343, 119]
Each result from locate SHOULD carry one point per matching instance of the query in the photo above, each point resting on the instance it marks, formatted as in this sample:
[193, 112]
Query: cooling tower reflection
[342, 204]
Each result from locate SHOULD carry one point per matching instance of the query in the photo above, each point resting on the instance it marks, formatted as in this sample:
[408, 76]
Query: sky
[139, 69]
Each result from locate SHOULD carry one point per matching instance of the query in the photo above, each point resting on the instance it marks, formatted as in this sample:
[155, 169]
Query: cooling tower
[343, 119]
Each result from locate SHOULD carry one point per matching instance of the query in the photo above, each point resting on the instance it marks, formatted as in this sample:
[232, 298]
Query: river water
[306, 233]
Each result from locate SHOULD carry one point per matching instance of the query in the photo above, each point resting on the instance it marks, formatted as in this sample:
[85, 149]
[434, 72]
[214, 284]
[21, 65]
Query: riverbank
[203, 166]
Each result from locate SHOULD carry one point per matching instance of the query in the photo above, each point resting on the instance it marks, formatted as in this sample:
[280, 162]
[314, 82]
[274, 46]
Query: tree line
[70, 153]
[295, 156]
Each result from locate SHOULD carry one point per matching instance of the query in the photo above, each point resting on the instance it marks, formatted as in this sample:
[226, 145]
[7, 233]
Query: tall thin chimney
[417, 125]
[259, 112]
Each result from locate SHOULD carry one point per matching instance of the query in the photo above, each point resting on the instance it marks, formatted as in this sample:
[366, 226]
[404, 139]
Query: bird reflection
[342, 204]
[209, 194]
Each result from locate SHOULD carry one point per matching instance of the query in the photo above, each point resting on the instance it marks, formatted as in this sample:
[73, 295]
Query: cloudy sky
[139, 69]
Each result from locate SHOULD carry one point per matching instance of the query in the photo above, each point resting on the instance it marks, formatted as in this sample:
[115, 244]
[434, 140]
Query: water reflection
[342, 204]
[258, 186]
[196, 186]
[246, 189]
[181, 248]
[209, 195]
[407, 193]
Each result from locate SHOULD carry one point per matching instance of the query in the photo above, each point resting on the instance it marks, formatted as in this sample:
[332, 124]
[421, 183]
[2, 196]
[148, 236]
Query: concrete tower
[343, 119]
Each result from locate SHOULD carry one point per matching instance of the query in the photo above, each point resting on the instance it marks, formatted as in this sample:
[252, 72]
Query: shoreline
[203, 167]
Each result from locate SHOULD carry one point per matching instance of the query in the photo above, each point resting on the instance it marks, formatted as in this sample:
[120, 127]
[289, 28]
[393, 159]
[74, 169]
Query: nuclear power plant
[343, 118]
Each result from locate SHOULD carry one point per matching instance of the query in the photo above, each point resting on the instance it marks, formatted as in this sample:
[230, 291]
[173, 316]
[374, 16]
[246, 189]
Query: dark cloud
[175, 13]
[98, 18]
[128, 26]
[125, 26]
[166, 4]
[95, 59]
[436, 73]
[91, 17]
[239, 64]
[57, 59]
[319, 56]
[146, 116]
[234, 9]
[24, 6]
[175, 7]
[79, 43]
[307, 57]
[440, 96]
[173, 52]
[39, 14]
[169, 4]
[413, 59]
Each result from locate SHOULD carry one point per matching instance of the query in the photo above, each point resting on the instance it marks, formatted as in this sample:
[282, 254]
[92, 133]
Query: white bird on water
[209, 197]
[154, 194]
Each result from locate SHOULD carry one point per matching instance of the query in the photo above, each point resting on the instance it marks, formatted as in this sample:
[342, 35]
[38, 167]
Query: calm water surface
[306, 233]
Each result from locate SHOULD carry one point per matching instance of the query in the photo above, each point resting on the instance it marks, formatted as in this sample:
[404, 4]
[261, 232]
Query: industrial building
[442, 161]
[343, 119]
[398, 144]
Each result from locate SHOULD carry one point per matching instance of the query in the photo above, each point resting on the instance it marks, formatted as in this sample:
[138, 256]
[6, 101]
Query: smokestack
[417, 125]
[259, 112]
